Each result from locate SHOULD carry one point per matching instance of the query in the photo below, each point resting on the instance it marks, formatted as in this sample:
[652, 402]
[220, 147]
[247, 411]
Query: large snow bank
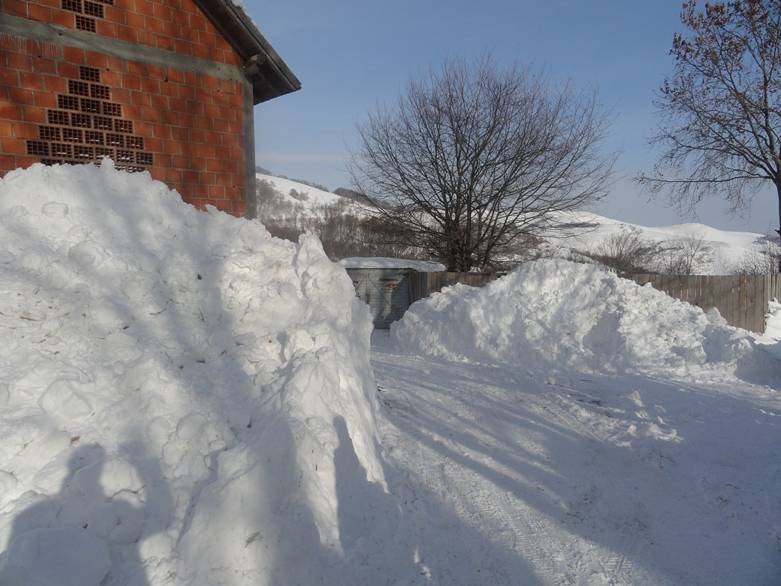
[173, 387]
[558, 313]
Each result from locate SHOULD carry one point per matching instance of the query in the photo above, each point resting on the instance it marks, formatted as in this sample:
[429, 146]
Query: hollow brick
[40, 13]
[174, 112]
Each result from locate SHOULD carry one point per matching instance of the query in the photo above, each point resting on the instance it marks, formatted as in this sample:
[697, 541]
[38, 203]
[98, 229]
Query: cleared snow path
[587, 479]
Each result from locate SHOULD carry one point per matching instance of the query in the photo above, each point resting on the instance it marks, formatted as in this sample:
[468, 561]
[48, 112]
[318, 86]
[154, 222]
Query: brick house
[166, 86]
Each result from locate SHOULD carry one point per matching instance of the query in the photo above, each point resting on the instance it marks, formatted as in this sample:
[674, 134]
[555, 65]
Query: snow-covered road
[504, 478]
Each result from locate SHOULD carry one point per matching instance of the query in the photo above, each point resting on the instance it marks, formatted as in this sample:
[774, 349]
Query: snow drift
[555, 313]
[173, 387]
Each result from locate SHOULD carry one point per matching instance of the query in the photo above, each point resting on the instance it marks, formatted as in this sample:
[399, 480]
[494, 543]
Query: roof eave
[266, 70]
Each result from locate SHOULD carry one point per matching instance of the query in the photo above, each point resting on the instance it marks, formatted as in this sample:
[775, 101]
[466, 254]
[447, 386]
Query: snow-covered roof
[383, 262]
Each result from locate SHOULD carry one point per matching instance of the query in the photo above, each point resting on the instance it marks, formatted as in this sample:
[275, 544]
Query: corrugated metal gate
[385, 291]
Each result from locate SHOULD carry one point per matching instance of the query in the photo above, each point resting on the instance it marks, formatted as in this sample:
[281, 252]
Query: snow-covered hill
[291, 200]
[722, 250]
[310, 197]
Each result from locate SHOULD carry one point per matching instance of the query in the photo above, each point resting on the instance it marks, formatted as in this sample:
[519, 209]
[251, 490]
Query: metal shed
[386, 291]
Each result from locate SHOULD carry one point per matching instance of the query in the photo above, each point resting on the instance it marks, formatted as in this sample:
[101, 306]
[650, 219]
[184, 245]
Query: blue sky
[353, 55]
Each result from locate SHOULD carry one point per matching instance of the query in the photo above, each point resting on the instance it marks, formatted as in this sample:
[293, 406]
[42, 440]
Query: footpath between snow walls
[173, 387]
[555, 314]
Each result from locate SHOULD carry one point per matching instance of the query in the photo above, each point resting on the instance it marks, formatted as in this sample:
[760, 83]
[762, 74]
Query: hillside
[720, 251]
[291, 200]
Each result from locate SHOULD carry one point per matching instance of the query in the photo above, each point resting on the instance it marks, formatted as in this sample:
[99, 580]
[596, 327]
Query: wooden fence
[741, 299]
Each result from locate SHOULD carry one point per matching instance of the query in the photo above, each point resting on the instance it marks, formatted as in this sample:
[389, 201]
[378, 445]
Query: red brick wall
[175, 25]
[60, 103]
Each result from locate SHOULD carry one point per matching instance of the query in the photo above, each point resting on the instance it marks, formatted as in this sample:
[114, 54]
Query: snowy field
[187, 401]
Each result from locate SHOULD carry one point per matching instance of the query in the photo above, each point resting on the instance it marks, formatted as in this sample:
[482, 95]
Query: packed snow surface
[384, 262]
[509, 477]
[175, 388]
[556, 313]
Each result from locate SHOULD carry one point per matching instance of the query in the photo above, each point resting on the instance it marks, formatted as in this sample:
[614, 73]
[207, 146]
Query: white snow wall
[173, 386]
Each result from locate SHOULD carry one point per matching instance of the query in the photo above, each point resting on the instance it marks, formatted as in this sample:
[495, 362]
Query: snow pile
[384, 262]
[555, 313]
[174, 385]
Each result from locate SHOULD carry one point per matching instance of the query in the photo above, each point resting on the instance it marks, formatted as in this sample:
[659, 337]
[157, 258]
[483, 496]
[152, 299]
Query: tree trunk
[778, 192]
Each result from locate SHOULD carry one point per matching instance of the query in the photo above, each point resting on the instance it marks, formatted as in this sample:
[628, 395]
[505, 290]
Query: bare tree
[472, 159]
[721, 109]
[763, 260]
[683, 256]
[625, 252]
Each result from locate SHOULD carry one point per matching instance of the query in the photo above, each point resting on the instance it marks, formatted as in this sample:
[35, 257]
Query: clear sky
[352, 55]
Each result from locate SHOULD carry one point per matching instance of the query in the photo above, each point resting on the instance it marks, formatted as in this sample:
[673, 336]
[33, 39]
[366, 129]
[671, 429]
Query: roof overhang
[267, 72]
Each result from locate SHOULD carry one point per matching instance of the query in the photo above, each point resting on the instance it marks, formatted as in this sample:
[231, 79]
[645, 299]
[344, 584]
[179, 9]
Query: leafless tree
[763, 260]
[721, 109]
[625, 252]
[472, 159]
[682, 256]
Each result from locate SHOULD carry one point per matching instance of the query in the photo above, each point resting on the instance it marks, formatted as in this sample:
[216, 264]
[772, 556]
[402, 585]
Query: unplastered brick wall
[174, 25]
[60, 103]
